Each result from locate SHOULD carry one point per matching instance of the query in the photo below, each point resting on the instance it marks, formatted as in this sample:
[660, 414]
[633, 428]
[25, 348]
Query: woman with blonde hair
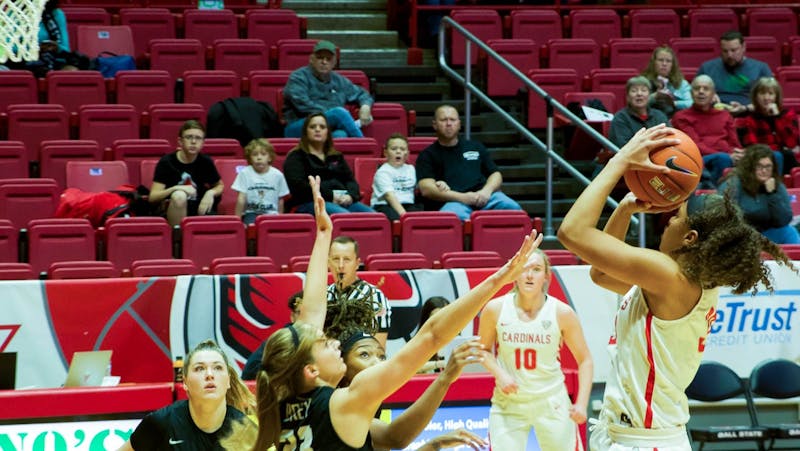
[666, 78]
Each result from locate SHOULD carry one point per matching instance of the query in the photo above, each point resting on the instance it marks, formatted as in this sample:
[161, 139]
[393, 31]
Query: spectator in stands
[317, 88]
[313, 156]
[733, 73]
[668, 87]
[711, 129]
[769, 123]
[261, 187]
[529, 383]
[459, 173]
[206, 416]
[53, 28]
[348, 288]
[432, 20]
[253, 363]
[395, 181]
[636, 114]
[187, 178]
[757, 187]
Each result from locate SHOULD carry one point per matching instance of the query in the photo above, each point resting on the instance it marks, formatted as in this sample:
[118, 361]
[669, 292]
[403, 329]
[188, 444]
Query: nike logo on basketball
[670, 163]
[175, 442]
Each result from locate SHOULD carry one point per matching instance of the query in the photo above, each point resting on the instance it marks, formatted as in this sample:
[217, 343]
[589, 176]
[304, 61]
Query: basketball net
[19, 29]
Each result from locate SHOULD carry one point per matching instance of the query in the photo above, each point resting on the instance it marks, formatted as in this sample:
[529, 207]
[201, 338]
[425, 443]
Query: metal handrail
[552, 104]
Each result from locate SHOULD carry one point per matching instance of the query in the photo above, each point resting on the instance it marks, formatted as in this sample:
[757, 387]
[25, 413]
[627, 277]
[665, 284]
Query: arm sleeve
[382, 183]
[780, 208]
[355, 93]
[487, 163]
[749, 126]
[238, 184]
[61, 21]
[619, 131]
[213, 173]
[295, 93]
[149, 434]
[297, 178]
[350, 181]
[733, 137]
[788, 129]
[424, 167]
[385, 312]
[164, 173]
[683, 95]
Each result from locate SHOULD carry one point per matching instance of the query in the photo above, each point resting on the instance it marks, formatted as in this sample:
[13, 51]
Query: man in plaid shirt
[343, 262]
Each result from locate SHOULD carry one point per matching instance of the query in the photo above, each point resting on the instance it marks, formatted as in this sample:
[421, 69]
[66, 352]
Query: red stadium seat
[9, 242]
[75, 88]
[711, 23]
[64, 240]
[208, 25]
[96, 176]
[13, 160]
[142, 88]
[94, 40]
[764, 48]
[267, 85]
[32, 123]
[83, 15]
[147, 24]
[166, 119]
[137, 238]
[559, 257]
[364, 169]
[501, 231]
[299, 263]
[27, 199]
[16, 271]
[357, 77]
[417, 144]
[228, 170]
[284, 145]
[293, 53]
[520, 53]
[556, 82]
[581, 145]
[612, 80]
[133, 151]
[54, 155]
[106, 123]
[221, 148]
[284, 236]
[659, 24]
[17, 86]
[694, 51]
[356, 147]
[372, 231]
[431, 233]
[240, 55]
[777, 22]
[176, 56]
[472, 259]
[388, 118]
[538, 25]
[243, 265]
[579, 54]
[163, 267]
[485, 24]
[147, 169]
[205, 238]
[789, 78]
[794, 199]
[206, 87]
[270, 25]
[597, 24]
[397, 261]
[631, 52]
[91, 269]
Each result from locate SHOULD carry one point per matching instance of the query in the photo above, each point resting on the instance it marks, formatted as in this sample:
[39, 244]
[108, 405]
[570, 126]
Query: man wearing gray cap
[316, 87]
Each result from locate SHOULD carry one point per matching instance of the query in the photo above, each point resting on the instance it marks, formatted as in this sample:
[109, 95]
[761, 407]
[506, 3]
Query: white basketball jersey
[529, 350]
[653, 361]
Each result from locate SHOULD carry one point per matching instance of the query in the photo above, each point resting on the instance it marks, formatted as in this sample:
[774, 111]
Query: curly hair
[746, 167]
[727, 251]
[347, 316]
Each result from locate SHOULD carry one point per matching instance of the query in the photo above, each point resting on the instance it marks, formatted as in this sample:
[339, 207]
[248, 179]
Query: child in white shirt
[261, 187]
[395, 181]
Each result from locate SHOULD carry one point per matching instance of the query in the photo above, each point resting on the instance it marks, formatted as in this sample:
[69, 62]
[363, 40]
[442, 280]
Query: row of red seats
[144, 24]
[603, 24]
[173, 5]
[201, 239]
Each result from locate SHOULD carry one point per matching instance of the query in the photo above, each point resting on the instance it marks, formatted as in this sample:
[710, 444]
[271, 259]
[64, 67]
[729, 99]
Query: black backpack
[243, 119]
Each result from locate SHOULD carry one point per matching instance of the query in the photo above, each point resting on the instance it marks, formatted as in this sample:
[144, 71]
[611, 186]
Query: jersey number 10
[525, 358]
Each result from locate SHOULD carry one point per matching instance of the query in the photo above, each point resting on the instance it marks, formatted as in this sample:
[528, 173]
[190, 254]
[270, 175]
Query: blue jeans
[716, 163]
[340, 123]
[331, 208]
[497, 201]
[782, 235]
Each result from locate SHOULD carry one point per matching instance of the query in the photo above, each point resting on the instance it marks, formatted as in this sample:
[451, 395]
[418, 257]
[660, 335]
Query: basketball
[663, 190]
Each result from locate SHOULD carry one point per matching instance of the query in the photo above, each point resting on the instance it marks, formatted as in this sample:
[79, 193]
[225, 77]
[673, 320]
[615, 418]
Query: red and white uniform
[653, 361]
[529, 352]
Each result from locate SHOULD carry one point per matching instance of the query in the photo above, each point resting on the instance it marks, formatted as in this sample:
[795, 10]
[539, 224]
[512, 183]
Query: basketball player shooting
[669, 296]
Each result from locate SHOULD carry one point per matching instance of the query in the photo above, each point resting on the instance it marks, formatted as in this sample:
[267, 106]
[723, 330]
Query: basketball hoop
[19, 29]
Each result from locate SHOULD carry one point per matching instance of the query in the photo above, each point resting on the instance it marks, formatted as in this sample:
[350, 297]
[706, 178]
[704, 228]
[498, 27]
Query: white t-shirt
[263, 190]
[401, 181]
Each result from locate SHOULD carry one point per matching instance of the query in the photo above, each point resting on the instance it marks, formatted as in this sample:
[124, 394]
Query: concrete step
[301, 6]
[358, 39]
[412, 90]
[332, 21]
[536, 190]
[355, 58]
